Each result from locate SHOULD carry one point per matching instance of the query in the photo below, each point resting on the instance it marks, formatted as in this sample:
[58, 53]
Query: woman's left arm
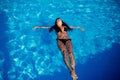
[37, 27]
[77, 27]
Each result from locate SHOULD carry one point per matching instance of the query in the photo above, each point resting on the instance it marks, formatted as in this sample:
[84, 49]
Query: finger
[33, 28]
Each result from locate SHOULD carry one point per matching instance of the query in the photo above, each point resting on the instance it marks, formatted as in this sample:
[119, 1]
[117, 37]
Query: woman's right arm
[37, 27]
[78, 27]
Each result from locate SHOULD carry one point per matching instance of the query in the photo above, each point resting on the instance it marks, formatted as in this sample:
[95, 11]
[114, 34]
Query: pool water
[33, 55]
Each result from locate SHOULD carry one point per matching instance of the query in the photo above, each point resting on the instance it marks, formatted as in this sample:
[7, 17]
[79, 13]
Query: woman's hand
[82, 29]
[34, 28]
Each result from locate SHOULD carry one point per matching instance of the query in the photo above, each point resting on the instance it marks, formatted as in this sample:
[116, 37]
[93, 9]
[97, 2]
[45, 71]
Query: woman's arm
[37, 27]
[77, 27]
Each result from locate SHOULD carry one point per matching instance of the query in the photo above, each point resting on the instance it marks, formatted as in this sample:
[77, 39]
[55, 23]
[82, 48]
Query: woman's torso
[62, 34]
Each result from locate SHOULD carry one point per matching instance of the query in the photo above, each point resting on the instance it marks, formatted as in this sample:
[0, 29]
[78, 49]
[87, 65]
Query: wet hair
[57, 29]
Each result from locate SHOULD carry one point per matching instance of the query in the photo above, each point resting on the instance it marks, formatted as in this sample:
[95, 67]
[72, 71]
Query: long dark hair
[57, 29]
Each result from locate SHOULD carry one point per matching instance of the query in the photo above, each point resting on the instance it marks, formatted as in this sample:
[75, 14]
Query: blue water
[34, 55]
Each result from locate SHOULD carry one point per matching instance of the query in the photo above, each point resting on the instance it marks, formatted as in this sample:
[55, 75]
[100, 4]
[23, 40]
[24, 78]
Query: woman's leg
[64, 53]
[72, 61]
[69, 48]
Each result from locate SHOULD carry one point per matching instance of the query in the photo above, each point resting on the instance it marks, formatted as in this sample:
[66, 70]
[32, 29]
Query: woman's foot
[73, 70]
[73, 75]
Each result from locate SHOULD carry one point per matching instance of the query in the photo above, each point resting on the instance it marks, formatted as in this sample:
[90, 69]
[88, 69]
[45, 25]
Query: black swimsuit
[64, 40]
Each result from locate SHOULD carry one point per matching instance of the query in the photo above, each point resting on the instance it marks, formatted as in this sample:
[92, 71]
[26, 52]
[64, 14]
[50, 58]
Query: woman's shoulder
[64, 26]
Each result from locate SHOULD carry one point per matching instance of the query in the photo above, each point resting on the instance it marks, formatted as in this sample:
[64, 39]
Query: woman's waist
[63, 39]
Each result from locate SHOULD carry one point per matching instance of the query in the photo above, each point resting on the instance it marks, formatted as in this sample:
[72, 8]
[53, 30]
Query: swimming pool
[32, 54]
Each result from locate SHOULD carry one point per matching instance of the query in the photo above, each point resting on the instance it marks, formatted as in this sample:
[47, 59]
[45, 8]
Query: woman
[64, 43]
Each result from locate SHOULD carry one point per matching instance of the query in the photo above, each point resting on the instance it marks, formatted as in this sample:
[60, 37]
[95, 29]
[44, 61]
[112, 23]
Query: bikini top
[62, 35]
[57, 29]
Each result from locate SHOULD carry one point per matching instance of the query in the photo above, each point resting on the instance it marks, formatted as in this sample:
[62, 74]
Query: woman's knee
[70, 52]
[64, 51]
